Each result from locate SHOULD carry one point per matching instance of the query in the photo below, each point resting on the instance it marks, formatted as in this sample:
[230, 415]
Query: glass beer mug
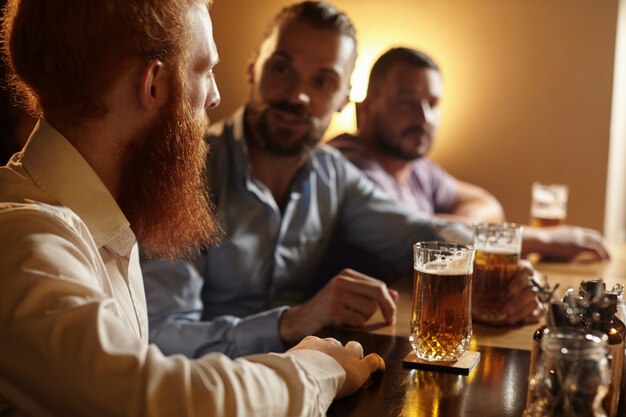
[549, 204]
[441, 321]
[498, 248]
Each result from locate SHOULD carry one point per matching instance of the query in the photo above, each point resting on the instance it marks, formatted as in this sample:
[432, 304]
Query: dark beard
[385, 145]
[163, 191]
[259, 131]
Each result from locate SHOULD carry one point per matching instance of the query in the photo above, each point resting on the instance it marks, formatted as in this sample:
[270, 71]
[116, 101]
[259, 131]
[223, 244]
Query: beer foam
[495, 249]
[458, 266]
[549, 212]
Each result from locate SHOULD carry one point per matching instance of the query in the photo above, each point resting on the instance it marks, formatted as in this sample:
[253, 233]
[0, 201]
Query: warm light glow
[345, 121]
[342, 122]
[361, 73]
[615, 210]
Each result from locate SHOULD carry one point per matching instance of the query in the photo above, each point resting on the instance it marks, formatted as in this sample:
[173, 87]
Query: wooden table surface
[498, 384]
[516, 337]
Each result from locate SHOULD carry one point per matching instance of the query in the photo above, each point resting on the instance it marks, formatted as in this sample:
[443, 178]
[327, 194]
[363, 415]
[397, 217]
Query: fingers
[349, 357]
[566, 243]
[350, 298]
[524, 308]
[519, 282]
[358, 368]
[521, 303]
[351, 281]
[345, 315]
[356, 348]
[363, 306]
[331, 341]
[534, 316]
[374, 362]
[591, 245]
[598, 247]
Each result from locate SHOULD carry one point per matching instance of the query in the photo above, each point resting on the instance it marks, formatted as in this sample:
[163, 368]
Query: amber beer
[546, 221]
[492, 272]
[498, 248]
[549, 204]
[441, 322]
[442, 329]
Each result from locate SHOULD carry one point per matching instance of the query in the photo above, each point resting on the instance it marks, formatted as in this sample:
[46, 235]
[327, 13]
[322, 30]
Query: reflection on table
[496, 387]
[498, 384]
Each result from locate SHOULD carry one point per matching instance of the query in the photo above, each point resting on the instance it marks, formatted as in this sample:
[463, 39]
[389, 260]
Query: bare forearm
[473, 204]
[475, 212]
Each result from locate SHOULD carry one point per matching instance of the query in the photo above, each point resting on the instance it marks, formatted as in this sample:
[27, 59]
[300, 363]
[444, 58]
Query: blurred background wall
[528, 85]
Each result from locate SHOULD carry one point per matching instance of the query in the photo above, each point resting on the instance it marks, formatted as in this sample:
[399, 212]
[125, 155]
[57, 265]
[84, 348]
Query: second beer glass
[441, 322]
[548, 205]
[498, 247]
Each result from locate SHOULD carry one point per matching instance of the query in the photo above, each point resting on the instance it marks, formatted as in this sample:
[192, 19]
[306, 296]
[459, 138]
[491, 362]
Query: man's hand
[349, 299]
[521, 305]
[564, 243]
[350, 357]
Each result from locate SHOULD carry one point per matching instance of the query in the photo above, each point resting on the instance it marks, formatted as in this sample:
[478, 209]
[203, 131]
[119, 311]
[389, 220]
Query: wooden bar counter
[497, 386]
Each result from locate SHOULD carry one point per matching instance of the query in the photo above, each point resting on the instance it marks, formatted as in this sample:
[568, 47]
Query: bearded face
[281, 138]
[411, 142]
[163, 190]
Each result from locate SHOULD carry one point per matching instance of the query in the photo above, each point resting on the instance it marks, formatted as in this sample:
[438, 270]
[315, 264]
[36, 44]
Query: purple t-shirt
[429, 188]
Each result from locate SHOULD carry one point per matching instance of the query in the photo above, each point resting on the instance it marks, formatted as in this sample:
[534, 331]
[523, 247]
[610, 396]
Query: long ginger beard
[163, 191]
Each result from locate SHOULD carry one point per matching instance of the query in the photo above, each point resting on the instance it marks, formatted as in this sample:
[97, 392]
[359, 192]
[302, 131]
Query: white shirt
[73, 321]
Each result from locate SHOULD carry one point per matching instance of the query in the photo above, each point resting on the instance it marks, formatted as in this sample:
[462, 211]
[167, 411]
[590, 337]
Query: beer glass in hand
[498, 248]
[549, 204]
[441, 322]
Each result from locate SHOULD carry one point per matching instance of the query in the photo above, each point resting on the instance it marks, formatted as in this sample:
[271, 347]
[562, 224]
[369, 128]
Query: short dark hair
[319, 14]
[404, 55]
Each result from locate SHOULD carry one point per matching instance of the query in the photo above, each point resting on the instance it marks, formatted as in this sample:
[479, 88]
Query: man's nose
[213, 95]
[425, 112]
[298, 93]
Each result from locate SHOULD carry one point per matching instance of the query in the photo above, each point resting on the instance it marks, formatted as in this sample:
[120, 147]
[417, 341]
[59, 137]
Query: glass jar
[605, 321]
[571, 377]
[618, 290]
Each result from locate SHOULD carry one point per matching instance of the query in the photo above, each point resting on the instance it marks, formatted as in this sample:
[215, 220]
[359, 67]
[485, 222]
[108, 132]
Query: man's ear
[250, 67]
[345, 100]
[152, 90]
[344, 103]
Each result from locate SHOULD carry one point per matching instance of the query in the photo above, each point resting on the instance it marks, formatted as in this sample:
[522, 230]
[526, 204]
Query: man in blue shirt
[280, 195]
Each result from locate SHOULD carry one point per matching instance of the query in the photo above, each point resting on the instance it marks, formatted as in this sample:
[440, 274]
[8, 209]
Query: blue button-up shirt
[231, 297]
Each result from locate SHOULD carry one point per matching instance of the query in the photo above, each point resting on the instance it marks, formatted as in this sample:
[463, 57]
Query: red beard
[163, 191]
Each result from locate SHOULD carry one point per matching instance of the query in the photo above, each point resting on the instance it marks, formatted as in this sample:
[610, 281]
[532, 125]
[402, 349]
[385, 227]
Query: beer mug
[498, 247]
[549, 204]
[441, 321]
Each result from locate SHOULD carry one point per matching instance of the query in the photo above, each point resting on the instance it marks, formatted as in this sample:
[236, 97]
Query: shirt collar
[59, 169]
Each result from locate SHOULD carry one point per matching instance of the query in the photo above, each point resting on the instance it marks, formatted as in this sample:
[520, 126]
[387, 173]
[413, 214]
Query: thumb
[374, 362]
[394, 294]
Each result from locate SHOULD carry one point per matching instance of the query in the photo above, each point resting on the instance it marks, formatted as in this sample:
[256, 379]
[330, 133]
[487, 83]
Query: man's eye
[280, 68]
[324, 83]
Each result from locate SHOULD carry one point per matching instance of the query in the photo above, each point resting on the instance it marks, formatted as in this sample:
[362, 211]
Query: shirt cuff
[260, 332]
